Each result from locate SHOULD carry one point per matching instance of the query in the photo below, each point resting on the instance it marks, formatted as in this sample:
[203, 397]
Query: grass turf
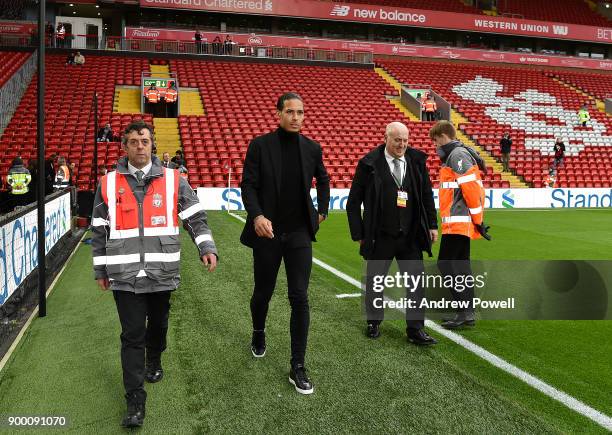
[68, 363]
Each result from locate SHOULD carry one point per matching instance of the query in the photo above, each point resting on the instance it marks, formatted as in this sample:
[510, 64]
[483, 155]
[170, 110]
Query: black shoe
[154, 373]
[460, 320]
[420, 337]
[135, 413]
[258, 344]
[300, 380]
[373, 330]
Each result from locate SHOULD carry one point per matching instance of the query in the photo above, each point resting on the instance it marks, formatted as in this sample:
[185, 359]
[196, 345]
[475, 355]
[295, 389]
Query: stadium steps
[161, 71]
[601, 106]
[396, 100]
[515, 182]
[191, 102]
[407, 113]
[127, 99]
[167, 138]
[457, 119]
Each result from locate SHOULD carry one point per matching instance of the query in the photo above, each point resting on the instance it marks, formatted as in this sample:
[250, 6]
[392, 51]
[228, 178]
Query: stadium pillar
[42, 269]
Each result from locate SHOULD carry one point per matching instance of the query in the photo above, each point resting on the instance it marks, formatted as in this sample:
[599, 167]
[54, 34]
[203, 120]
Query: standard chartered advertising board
[224, 198]
[19, 243]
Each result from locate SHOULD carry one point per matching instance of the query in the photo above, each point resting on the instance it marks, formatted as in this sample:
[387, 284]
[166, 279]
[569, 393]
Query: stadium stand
[535, 108]
[562, 11]
[69, 112]
[346, 111]
[10, 62]
[596, 84]
[432, 5]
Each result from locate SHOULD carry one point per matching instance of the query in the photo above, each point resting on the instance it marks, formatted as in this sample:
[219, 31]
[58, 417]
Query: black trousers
[454, 260]
[144, 326]
[409, 259]
[295, 249]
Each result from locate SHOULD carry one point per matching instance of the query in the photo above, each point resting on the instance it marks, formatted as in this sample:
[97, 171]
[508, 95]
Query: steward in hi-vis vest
[152, 94]
[136, 253]
[18, 177]
[462, 202]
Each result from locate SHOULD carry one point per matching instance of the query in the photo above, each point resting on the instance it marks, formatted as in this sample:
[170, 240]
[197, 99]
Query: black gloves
[483, 229]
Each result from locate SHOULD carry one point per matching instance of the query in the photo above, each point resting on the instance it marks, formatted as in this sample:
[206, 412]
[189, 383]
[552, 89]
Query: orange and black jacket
[462, 196]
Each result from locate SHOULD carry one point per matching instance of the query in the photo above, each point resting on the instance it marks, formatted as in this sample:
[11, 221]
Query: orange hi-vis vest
[143, 239]
[152, 95]
[171, 95]
[159, 207]
[62, 177]
[430, 106]
[462, 199]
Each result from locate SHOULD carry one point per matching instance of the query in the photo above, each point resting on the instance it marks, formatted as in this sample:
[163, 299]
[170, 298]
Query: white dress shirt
[145, 170]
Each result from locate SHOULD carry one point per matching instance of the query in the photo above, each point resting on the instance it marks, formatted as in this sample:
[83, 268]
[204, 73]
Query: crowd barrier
[19, 240]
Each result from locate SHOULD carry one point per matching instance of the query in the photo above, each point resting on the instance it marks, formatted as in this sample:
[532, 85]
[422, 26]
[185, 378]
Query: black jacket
[366, 190]
[506, 145]
[261, 182]
[559, 149]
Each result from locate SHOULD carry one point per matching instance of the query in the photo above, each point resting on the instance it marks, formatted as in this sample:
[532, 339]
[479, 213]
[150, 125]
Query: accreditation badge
[158, 220]
[402, 198]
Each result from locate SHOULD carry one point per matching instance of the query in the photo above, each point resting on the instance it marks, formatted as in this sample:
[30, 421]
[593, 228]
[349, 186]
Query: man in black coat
[506, 146]
[282, 223]
[399, 221]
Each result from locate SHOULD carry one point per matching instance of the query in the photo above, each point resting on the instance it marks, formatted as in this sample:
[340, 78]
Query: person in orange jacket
[171, 100]
[152, 94]
[462, 201]
[430, 108]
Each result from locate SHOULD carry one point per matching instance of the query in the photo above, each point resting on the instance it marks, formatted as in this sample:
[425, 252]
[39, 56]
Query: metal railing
[113, 43]
[12, 91]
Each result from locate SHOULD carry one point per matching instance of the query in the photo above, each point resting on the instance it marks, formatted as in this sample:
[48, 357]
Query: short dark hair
[280, 104]
[443, 127]
[137, 126]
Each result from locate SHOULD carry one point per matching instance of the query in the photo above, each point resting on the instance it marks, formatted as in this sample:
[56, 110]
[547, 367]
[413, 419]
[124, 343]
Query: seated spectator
[70, 59]
[166, 163]
[79, 59]
[106, 134]
[178, 158]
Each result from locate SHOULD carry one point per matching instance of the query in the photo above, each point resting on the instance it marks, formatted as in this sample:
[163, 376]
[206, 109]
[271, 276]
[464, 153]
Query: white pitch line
[570, 402]
[348, 295]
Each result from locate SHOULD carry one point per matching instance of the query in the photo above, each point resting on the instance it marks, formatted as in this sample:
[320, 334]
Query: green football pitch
[67, 364]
